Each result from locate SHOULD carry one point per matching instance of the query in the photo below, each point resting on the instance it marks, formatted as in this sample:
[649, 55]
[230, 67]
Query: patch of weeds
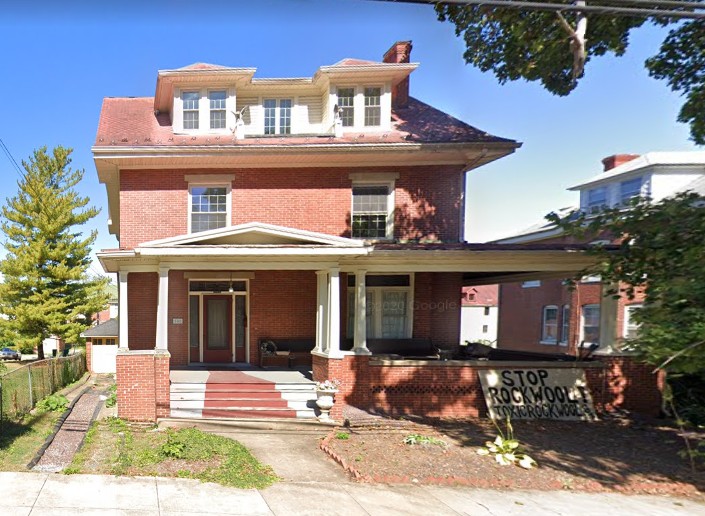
[343, 436]
[416, 439]
[53, 403]
[111, 401]
[80, 458]
[22, 437]
[173, 448]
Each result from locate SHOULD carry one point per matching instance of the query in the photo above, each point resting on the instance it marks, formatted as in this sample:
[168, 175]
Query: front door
[217, 328]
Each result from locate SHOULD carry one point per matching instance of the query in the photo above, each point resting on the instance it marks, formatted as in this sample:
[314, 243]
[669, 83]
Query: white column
[122, 310]
[360, 346]
[321, 311]
[163, 309]
[334, 311]
[608, 321]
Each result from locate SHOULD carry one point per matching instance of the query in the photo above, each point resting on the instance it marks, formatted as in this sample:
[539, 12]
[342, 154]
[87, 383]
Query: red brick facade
[143, 385]
[154, 203]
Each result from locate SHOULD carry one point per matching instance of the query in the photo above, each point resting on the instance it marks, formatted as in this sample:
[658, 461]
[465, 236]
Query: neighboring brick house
[544, 315]
[478, 316]
[326, 209]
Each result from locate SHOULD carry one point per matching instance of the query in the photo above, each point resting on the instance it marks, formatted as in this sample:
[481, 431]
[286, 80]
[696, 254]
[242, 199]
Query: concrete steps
[254, 398]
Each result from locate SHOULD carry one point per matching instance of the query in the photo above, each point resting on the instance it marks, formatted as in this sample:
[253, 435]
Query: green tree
[553, 48]
[661, 252]
[46, 289]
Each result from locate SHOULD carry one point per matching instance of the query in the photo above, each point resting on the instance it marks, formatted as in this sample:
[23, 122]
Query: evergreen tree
[46, 289]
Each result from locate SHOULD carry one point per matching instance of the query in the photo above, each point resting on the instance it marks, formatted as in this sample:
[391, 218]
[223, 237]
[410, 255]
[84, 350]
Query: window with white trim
[596, 199]
[565, 325]
[549, 325]
[346, 102]
[209, 207]
[216, 101]
[371, 211]
[277, 116]
[629, 189]
[190, 101]
[631, 327]
[389, 306]
[373, 106]
[590, 324]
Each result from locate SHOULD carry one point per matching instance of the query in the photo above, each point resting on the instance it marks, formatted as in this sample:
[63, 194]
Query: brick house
[325, 210]
[543, 315]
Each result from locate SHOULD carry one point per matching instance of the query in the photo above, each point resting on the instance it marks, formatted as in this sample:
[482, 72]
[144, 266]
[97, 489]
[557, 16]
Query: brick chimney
[616, 160]
[400, 52]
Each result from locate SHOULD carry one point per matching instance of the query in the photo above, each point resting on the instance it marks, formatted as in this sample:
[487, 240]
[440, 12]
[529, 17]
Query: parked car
[9, 354]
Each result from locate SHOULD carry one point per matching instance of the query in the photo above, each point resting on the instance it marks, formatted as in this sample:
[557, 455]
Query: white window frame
[224, 109]
[564, 335]
[377, 314]
[277, 115]
[371, 179]
[379, 106]
[582, 323]
[627, 321]
[218, 181]
[622, 200]
[594, 207]
[197, 111]
[351, 107]
[544, 338]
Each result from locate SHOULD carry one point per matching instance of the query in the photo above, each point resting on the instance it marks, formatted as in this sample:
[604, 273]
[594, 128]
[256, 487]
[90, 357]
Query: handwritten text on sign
[537, 394]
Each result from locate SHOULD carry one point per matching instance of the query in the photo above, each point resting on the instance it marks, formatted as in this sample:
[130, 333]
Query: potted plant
[326, 392]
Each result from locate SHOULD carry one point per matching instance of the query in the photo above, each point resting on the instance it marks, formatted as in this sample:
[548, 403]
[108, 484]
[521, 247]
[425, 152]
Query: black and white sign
[537, 394]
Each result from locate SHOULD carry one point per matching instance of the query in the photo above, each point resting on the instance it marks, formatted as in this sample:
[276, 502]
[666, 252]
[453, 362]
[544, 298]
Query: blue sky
[62, 58]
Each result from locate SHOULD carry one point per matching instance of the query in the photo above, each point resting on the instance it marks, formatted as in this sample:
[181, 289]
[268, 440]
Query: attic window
[190, 101]
[373, 106]
[216, 99]
[346, 98]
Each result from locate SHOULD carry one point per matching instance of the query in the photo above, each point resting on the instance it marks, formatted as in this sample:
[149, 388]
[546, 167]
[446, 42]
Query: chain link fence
[22, 388]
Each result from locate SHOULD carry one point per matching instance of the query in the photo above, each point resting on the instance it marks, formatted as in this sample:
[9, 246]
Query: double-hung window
[388, 307]
[629, 189]
[549, 329]
[565, 325]
[590, 333]
[373, 107]
[631, 327]
[371, 211]
[346, 100]
[209, 207]
[596, 199]
[216, 99]
[277, 116]
[190, 101]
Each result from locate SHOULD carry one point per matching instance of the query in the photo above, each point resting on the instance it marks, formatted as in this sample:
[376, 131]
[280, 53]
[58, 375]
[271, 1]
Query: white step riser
[198, 404]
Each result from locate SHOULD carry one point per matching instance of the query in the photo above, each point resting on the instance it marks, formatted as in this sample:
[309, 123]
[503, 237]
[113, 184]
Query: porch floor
[231, 373]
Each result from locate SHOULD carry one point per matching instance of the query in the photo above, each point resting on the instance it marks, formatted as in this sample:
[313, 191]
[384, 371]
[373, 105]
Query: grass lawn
[20, 440]
[115, 447]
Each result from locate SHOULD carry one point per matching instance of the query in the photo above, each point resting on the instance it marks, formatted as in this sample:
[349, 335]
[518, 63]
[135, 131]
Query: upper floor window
[590, 331]
[629, 189]
[209, 207]
[277, 116]
[549, 325]
[631, 327]
[346, 100]
[373, 106]
[565, 325]
[596, 199]
[216, 100]
[370, 211]
[190, 101]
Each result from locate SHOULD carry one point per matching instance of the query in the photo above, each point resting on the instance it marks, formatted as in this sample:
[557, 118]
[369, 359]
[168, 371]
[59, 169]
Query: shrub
[53, 403]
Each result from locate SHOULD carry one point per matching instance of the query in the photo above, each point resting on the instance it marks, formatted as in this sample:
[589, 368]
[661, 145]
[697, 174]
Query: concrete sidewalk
[51, 494]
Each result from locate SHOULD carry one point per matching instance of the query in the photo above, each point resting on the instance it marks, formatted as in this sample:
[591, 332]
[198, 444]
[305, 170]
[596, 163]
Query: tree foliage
[540, 46]
[46, 289]
[661, 252]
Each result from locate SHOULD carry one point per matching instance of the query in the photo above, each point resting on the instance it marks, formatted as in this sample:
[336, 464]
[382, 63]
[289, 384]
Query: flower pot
[325, 402]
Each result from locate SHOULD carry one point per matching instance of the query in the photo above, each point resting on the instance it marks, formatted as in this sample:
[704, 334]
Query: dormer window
[216, 100]
[277, 116]
[373, 106]
[346, 103]
[596, 199]
[190, 104]
[629, 189]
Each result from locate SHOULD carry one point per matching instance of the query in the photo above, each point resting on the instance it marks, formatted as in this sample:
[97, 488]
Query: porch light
[231, 290]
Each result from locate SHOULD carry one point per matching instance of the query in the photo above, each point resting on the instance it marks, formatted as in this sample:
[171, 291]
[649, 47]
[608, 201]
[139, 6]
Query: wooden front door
[217, 328]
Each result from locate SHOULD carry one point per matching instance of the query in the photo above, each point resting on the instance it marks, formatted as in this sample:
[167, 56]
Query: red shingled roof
[481, 295]
[131, 121]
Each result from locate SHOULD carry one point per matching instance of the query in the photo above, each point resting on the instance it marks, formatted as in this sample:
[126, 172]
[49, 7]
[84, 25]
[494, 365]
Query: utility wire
[691, 10]
[11, 159]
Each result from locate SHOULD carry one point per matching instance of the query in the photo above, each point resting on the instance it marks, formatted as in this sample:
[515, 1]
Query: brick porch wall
[89, 354]
[453, 389]
[142, 384]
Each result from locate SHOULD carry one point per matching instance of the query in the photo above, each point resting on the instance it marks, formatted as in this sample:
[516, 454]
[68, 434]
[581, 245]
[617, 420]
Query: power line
[11, 159]
[650, 9]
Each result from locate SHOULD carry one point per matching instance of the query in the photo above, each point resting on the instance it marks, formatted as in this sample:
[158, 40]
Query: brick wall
[154, 203]
[142, 298]
[454, 390]
[178, 309]
[142, 384]
[89, 354]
